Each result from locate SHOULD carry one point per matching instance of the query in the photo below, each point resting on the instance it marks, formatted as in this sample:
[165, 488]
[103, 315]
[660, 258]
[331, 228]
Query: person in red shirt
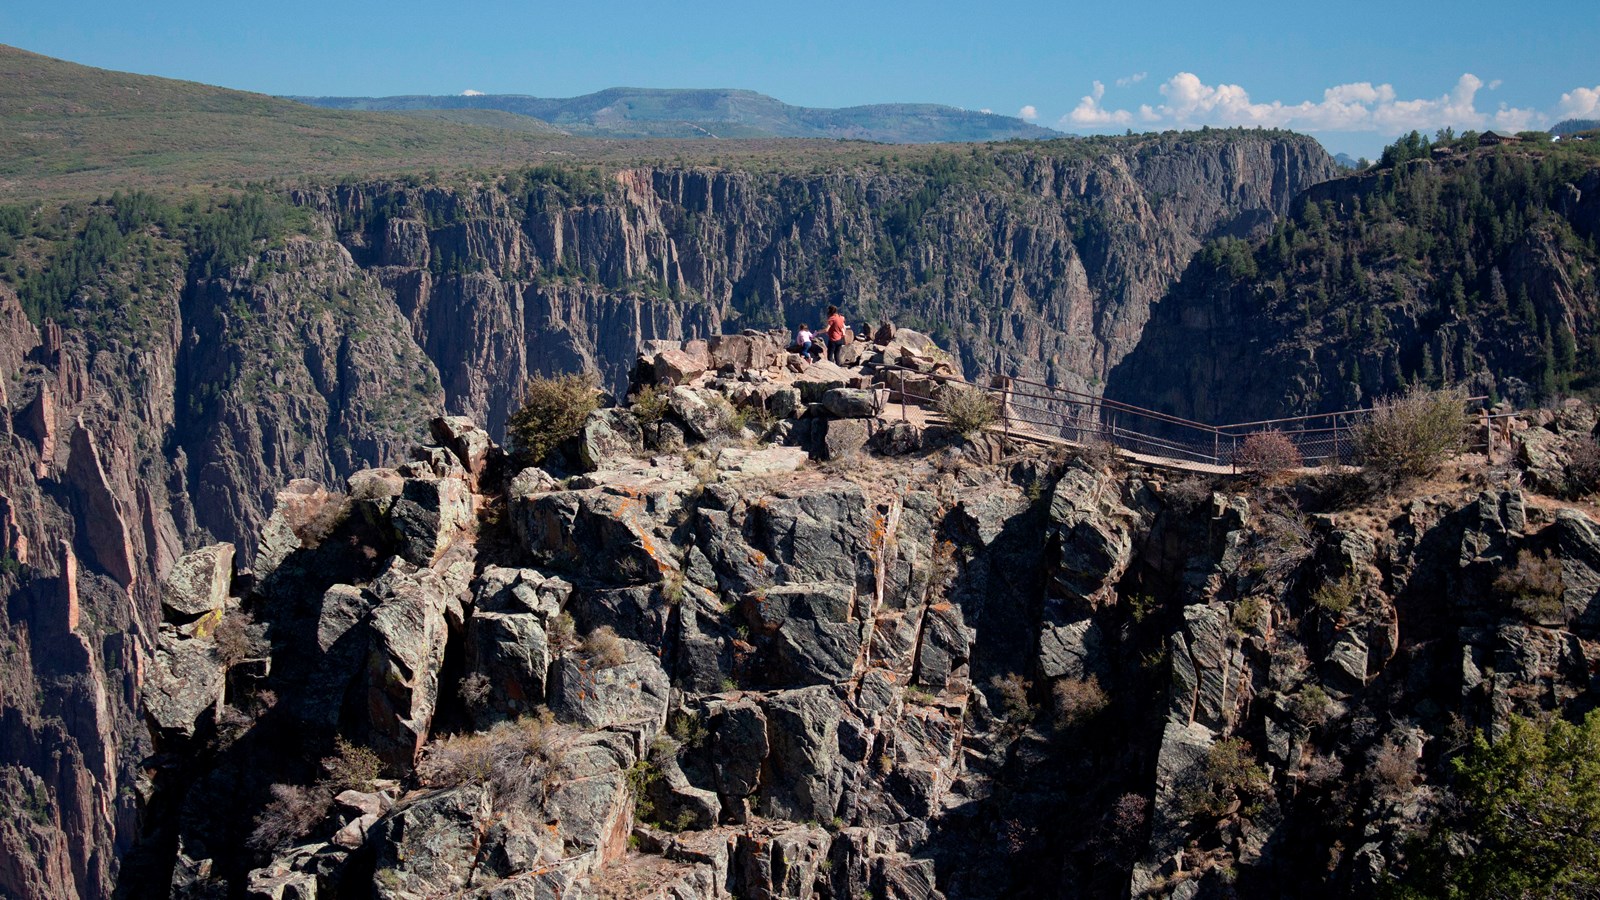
[833, 330]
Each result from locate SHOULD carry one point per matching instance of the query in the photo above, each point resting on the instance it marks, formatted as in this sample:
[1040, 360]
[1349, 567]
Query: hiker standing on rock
[833, 330]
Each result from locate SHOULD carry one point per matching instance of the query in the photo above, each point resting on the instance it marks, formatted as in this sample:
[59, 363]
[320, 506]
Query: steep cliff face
[177, 389]
[960, 672]
[1477, 268]
[1039, 264]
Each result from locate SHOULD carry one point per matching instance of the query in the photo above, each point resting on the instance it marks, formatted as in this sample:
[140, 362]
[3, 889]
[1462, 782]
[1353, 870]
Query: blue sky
[1352, 73]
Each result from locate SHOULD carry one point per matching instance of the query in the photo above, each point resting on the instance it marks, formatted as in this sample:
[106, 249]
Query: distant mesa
[662, 113]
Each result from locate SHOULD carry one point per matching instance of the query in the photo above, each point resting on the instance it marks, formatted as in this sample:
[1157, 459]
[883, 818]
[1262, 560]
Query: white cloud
[1132, 79]
[469, 92]
[1028, 113]
[1090, 112]
[1187, 102]
[1580, 103]
[987, 111]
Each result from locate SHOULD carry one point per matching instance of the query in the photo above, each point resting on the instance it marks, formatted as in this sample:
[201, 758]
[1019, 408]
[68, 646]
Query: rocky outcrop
[180, 391]
[680, 675]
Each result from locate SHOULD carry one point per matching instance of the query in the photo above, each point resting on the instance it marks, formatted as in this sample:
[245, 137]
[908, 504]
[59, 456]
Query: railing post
[1488, 436]
[1005, 407]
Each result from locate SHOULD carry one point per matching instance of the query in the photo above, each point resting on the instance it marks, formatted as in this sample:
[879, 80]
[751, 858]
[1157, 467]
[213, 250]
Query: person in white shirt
[807, 342]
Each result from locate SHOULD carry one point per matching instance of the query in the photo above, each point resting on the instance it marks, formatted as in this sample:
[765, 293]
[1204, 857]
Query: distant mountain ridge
[717, 113]
[1574, 126]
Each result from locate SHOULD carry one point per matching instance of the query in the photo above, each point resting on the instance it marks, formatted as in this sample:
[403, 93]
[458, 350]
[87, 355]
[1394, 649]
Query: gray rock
[702, 416]
[851, 403]
[1347, 660]
[679, 367]
[1184, 750]
[428, 846]
[274, 884]
[842, 438]
[608, 434]
[198, 584]
[373, 493]
[803, 728]
[738, 747]
[184, 682]
[897, 439]
[1092, 531]
[409, 627]
[761, 463]
[808, 652]
[510, 650]
[472, 446]
[428, 515]
[1071, 649]
[633, 694]
[771, 607]
[783, 864]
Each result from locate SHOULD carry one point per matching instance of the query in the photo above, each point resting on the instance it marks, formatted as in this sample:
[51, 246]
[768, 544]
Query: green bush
[1337, 596]
[1412, 435]
[350, 768]
[552, 411]
[1230, 781]
[968, 409]
[1525, 821]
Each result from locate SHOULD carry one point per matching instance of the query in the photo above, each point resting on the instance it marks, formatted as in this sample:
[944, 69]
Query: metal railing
[1034, 409]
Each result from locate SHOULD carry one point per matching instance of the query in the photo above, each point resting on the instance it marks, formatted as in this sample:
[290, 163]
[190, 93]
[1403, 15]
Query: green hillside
[71, 130]
[1445, 263]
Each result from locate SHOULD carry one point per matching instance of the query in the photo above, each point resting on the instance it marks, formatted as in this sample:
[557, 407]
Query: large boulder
[1093, 533]
[851, 403]
[703, 416]
[617, 532]
[184, 682]
[738, 747]
[198, 584]
[471, 445]
[608, 434]
[744, 351]
[842, 438]
[680, 366]
[428, 846]
[428, 515]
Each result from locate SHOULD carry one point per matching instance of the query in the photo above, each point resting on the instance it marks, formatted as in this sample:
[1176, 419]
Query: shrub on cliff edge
[552, 411]
[1412, 435]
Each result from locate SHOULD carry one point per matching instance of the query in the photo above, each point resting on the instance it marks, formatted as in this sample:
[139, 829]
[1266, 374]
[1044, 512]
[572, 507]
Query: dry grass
[292, 813]
[1534, 585]
[1394, 769]
[1078, 700]
[516, 760]
[968, 409]
[350, 768]
[603, 648]
[239, 638]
